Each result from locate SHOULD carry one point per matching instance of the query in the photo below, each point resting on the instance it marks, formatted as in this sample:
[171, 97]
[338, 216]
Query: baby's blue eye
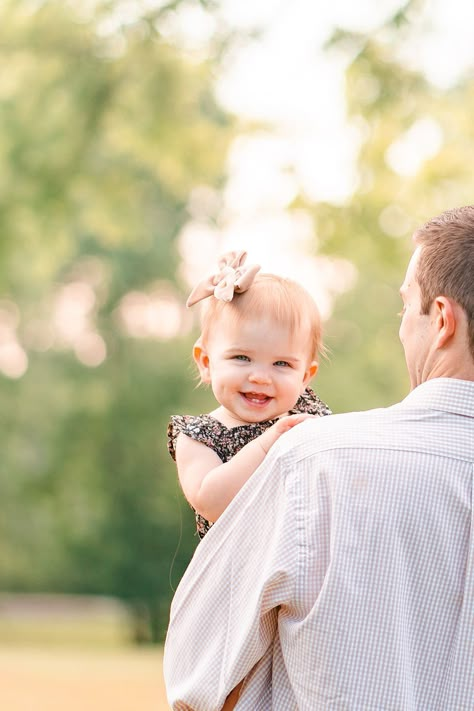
[282, 362]
[241, 357]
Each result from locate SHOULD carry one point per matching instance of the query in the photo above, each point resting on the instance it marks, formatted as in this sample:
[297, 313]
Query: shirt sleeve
[224, 614]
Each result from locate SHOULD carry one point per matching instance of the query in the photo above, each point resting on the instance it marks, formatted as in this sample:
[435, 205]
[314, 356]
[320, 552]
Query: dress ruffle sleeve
[309, 402]
[194, 426]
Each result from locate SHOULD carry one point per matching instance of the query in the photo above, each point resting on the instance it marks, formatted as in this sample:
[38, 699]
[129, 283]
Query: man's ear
[445, 320]
[310, 372]
[201, 359]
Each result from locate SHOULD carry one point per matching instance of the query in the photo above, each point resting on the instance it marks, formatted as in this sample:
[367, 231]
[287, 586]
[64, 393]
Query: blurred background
[138, 141]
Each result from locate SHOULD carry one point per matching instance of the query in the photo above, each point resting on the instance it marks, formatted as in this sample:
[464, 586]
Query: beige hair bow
[233, 277]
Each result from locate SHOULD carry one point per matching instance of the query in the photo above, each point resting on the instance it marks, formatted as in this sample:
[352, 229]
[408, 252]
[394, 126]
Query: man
[342, 575]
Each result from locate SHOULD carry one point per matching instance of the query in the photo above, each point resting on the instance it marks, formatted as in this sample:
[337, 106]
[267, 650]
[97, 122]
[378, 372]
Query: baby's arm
[210, 485]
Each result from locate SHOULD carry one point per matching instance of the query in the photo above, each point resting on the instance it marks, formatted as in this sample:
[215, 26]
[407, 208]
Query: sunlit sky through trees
[287, 80]
[295, 142]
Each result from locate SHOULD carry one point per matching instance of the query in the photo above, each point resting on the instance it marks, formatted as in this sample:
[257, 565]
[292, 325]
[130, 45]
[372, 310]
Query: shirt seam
[375, 448]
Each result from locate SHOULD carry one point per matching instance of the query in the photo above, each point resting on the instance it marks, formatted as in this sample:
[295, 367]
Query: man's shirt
[341, 577]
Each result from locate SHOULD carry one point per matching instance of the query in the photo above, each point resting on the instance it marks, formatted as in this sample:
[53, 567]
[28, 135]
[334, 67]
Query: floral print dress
[225, 441]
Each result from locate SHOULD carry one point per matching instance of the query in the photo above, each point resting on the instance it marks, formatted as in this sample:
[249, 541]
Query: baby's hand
[280, 427]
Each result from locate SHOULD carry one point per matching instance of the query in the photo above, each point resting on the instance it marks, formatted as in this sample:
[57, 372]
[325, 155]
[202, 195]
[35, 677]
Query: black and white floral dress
[225, 441]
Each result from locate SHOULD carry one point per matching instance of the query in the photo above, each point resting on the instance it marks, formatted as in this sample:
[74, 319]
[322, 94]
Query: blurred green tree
[105, 127]
[393, 108]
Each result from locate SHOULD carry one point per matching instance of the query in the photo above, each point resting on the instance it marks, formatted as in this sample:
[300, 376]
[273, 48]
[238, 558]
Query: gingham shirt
[341, 577]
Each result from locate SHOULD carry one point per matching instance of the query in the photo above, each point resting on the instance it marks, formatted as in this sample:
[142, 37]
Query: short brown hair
[446, 263]
[269, 296]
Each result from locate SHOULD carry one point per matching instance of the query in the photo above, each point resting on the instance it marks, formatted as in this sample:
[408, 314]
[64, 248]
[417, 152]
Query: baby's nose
[260, 375]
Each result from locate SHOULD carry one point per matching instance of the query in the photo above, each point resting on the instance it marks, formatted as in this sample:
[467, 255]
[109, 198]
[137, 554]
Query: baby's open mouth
[257, 398]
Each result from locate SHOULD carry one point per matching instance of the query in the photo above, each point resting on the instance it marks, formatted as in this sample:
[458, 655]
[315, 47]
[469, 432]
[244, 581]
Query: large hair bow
[233, 277]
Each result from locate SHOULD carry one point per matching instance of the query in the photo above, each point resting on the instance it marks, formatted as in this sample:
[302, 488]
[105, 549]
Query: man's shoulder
[435, 418]
[358, 418]
[343, 429]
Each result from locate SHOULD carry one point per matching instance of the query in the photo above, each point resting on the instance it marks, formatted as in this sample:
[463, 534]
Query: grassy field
[62, 654]
[67, 679]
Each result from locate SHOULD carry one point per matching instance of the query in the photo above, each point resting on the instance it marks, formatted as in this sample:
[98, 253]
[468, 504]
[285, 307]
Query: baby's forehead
[248, 321]
[263, 333]
[290, 319]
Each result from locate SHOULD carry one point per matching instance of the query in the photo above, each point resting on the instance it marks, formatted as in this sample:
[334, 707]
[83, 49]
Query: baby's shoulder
[310, 403]
[200, 428]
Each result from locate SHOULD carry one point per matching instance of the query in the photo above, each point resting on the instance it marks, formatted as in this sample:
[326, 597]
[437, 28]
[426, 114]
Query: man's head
[437, 329]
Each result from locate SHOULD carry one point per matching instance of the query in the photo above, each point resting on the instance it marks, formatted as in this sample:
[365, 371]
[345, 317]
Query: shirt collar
[448, 394]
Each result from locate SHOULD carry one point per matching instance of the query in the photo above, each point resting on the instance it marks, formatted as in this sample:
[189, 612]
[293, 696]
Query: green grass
[60, 679]
[49, 632]
[57, 660]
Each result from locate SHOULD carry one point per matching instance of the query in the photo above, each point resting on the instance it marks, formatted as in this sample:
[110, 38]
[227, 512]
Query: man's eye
[282, 362]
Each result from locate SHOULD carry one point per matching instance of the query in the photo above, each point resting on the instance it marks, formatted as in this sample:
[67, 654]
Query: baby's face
[257, 369]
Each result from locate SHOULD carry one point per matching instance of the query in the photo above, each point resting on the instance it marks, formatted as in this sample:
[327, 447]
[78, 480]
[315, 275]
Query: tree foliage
[103, 134]
[386, 99]
[103, 137]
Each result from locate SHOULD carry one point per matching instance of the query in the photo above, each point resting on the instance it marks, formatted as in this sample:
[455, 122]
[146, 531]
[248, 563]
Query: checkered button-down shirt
[341, 577]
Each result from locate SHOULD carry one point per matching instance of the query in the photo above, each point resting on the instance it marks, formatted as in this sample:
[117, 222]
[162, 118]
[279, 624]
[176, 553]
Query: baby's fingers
[286, 423]
[280, 427]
